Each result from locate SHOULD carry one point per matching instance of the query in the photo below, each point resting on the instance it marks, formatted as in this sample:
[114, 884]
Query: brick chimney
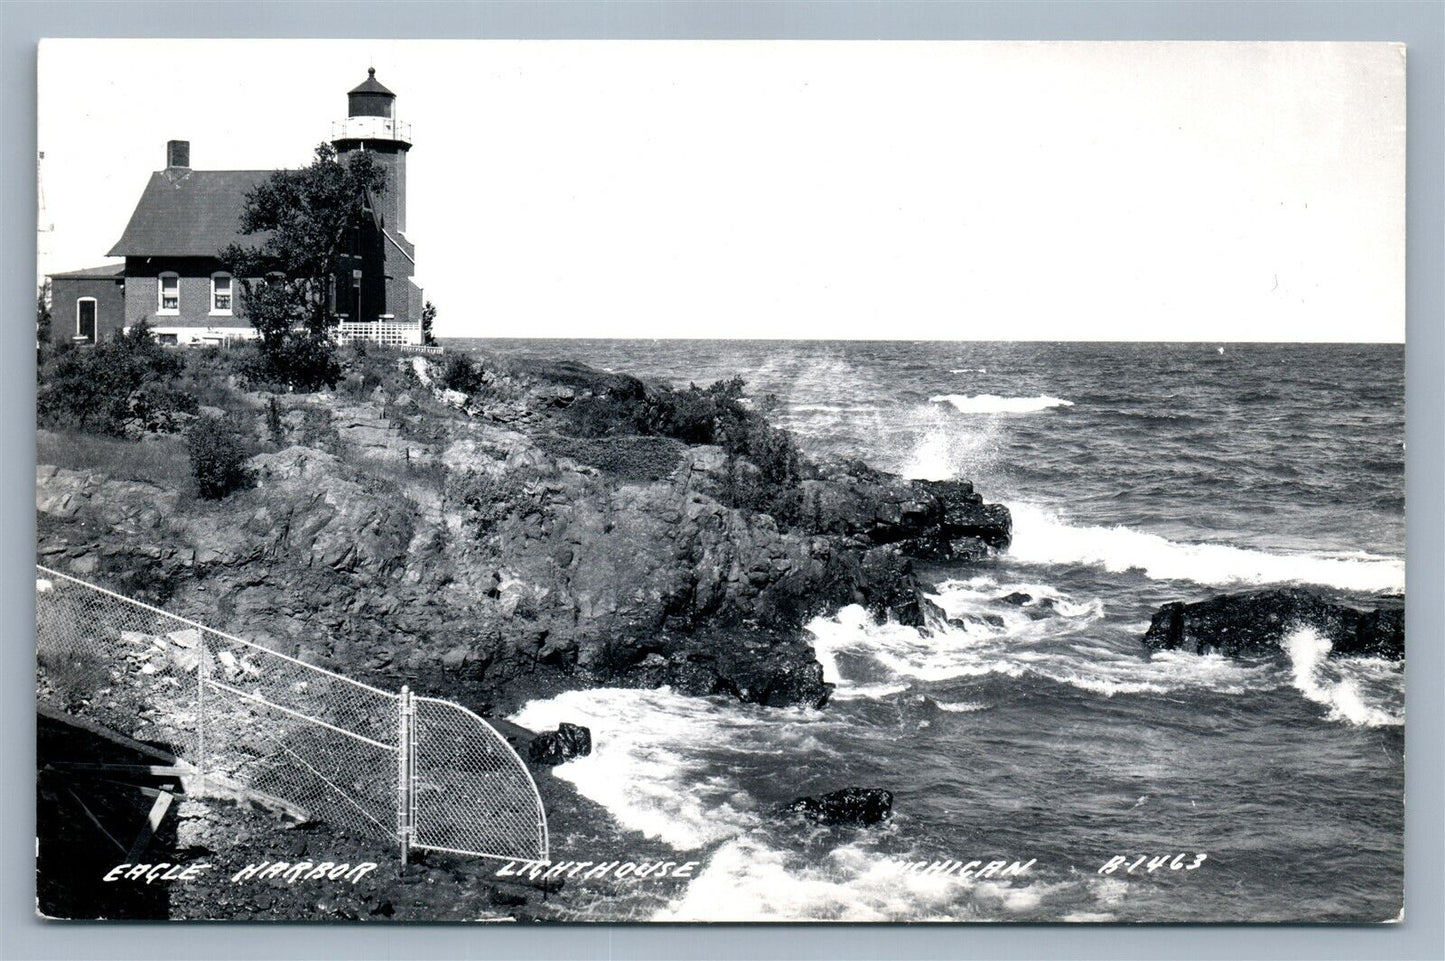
[178, 155]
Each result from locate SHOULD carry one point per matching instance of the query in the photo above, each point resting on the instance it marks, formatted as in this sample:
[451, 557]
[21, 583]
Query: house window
[170, 294]
[85, 319]
[221, 294]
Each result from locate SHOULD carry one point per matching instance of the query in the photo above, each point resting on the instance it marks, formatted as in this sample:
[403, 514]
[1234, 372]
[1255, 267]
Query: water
[1137, 474]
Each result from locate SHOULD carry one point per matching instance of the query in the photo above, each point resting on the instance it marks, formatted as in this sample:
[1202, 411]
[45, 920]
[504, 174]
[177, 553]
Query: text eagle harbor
[173, 278]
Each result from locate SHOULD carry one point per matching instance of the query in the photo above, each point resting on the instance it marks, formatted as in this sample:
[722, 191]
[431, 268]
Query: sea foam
[750, 879]
[659, 760]
[986, 636]
[994, 404]
[1041, 537]
[1340, 685]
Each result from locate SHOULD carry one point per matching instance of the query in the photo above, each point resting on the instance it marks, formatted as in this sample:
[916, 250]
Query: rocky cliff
[482, 545]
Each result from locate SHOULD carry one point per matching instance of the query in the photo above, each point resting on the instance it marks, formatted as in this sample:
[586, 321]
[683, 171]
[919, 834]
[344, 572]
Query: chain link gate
[423, 771]
[456, 758]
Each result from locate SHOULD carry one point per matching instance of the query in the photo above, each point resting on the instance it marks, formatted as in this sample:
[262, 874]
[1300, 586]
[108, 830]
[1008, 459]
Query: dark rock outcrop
[461, 544]
[934, 520]
[1254, 624]
[851, 805]
[563, 744]
[755, 667]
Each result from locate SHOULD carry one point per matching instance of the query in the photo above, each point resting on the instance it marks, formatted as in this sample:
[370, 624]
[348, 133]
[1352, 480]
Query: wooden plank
[217, 785]
[154, 770]
[147, 791]
[115, 737]
[150, 825]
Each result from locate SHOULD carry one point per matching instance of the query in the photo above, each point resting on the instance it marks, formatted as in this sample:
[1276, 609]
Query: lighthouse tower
[383, 304]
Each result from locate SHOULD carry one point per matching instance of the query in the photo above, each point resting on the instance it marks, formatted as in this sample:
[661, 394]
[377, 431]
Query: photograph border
[1420, 25]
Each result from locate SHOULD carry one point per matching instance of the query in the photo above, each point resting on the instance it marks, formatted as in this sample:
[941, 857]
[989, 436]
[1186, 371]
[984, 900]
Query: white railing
[371, 128]
[394, 332]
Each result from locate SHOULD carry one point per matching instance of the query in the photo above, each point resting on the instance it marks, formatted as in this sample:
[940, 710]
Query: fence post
[203, 652]
[403, 772]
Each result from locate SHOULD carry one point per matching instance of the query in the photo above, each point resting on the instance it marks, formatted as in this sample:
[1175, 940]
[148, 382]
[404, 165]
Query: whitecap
[994, 404]
[1342, 685]
[1041, 537]
[982, 635]
[961, 707]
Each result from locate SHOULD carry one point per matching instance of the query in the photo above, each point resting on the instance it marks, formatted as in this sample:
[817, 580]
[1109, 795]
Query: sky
[836, 190]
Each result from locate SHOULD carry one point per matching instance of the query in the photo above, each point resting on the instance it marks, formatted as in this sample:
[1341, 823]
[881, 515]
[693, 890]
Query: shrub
[274, 427]
[218, 458]
[489, 499]
[123, 387]
[718, 414]
[463, 374]
[296, 361]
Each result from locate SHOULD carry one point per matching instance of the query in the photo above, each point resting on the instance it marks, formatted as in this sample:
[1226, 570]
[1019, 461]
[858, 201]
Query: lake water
[1137, 474]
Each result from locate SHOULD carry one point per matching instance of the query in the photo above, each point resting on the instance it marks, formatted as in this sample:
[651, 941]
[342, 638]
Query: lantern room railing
[371, 128]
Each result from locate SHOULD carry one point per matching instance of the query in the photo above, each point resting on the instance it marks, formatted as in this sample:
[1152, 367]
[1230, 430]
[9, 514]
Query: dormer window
[221, 294]
[169, 294]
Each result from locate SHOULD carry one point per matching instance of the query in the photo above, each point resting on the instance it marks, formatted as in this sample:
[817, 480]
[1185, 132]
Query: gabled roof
[104, 270]
[189, 213]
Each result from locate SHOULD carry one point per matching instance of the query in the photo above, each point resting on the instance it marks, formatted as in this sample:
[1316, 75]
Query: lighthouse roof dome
[371, 85]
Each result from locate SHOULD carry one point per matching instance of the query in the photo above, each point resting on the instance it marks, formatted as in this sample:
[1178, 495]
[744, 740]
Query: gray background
[1420, 24]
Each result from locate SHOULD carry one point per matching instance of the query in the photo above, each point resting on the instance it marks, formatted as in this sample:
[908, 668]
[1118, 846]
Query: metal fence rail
[421, 771]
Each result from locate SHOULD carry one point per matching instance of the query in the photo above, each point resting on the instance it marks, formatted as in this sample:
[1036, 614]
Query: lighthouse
[380, 302]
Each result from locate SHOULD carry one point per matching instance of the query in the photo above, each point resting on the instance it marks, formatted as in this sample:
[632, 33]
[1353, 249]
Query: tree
[307, 216]
[428, 317]
[42, 319]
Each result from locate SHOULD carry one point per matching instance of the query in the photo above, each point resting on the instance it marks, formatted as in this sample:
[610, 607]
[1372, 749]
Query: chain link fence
[421, 771]
[460, 757]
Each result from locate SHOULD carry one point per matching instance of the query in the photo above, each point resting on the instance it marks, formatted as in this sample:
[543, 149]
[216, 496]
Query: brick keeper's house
[171, 275]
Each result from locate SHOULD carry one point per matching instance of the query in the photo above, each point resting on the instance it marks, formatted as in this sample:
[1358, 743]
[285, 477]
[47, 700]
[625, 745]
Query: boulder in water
[1255, 624]
[563, 744]
[851, 805]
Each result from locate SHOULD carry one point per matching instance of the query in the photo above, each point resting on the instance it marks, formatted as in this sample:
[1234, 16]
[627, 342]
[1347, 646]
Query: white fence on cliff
[422, 772]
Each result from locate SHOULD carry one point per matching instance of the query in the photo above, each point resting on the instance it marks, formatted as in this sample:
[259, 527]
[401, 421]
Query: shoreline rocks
[1254, 624]
[851, 806]
[561, 745]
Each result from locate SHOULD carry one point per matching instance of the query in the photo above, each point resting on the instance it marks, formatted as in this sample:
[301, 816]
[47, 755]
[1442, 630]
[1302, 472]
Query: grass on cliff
[625, 458]
[162, 460]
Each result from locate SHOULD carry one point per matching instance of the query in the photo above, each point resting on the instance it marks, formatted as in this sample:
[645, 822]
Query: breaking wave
[994, 404]
[748, 879]
[1040, 537]
[1046, 637]
[1362, 691]
[677, 769]
[660, 761]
